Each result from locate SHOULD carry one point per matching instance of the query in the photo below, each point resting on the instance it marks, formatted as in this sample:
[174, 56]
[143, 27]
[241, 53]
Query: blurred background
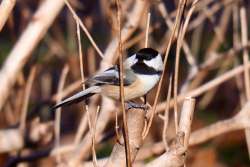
[212, 47]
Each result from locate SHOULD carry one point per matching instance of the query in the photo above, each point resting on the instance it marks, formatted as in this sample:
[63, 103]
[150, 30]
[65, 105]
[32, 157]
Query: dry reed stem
[147, 30]
[244, 38]
[91, 129]
[59, 110]
[166, 117]
[81, 127]
[29, 39]
[117, 125]
[180, 37]
[93, 138]
[77, 19]
[121, 74]
[188, 17]
[24, 111]
[161, 79]
[6, 7]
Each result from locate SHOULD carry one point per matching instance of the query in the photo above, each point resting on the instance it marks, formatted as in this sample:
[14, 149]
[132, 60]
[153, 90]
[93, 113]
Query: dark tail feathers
[78, 97]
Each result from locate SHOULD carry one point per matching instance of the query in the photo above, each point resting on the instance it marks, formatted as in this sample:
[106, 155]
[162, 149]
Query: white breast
[149, 81]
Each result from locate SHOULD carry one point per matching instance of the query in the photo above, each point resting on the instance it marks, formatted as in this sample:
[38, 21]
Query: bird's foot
[131, 105]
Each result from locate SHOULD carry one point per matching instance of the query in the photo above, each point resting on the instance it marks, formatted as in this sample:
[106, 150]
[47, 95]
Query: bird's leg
[130, 105]
[145, 99]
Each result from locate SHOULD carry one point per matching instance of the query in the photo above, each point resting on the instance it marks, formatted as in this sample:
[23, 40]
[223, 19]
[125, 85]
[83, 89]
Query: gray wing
[111, 77]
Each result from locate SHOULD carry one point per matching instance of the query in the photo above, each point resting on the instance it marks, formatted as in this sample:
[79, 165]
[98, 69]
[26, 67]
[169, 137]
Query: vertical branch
[186, 118]
[147, 30]
[81, 126]
[182, 5]
[180, 38]
[26, 100]
[80, 52]
[93, 137]
[6, 7]
[92, 131]
[59, 110]
[166, 117]
[244, 36]
[91, 127]
[125, 126]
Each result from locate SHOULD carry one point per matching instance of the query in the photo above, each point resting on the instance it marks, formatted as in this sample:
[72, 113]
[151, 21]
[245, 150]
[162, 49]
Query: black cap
[146, 54]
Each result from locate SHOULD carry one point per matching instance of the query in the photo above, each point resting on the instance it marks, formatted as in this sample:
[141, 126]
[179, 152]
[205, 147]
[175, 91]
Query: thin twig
[81, 126]
[166, 117]
[26, 100]
[93, 137]
[58, 111]
[91, 129]
[180, 14]
[147, 30]
[117, 126]
[121, 70]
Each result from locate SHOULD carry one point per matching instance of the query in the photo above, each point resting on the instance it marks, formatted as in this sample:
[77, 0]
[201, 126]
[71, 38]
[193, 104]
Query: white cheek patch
[130, 61]
[155, 63]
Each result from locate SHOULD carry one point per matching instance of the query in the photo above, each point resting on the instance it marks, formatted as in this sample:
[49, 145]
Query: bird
[142, 71]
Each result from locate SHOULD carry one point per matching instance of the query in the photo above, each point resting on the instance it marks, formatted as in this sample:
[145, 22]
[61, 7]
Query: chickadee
[142, 71]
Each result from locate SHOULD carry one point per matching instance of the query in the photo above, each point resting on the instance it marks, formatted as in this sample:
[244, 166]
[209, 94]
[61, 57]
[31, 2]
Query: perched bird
[142, 72]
